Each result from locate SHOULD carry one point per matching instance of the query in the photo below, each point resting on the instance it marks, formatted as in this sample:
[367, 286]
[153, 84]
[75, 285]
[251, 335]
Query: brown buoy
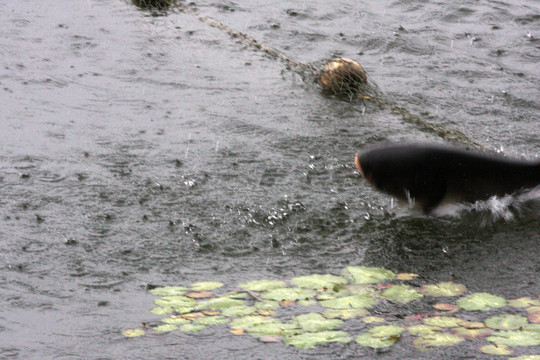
[343, 76]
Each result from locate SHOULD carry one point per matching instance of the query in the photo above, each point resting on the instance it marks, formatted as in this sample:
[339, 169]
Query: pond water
[140, 147]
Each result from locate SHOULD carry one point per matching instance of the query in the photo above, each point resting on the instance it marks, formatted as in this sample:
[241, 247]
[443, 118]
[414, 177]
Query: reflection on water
[144, 149]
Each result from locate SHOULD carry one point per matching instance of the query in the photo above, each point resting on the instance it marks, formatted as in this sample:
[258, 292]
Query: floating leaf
[310, 340]
[274, 327]
[317, 281]
[525, 357]
[210, 312]
[241, 310]
[262, 285]
[373, 319]
[345, 313]
[206, 285]
[481, 301]
[532, 327]
[401, 294]
[472, 333]
[384, 331]
[443, 321]
[247, 322]
[133, 332]
[368, 275]
[199, 294]
[161, 310]
[380, 336]
[314, 322]
[219, 303]
[193, 315]
[175, 301]
[267, 305]
[191, 328]
[406, 276]
[523, 302]
[437, 339]
[286, 303]
[307, 302]
[451, 308]
[176, 319]
[211, 320]
[443, 289]
[237, 331]
[348, 302]
[266, 312]
[472, 324]
[166, 327]
[516, 338]
[168, 290]
[288, 294]
[496, 349]
[423, 330]
[534, 317]
[235, 295]
[506, 322]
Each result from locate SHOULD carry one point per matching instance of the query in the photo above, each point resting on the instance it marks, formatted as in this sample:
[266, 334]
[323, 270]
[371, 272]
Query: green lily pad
[288, 294]
[133, 332]
[206, 285]
[523, 302]
[272, 328]
[481, 301]
[437, 339]
[534, 317]
[443, 321]
[443, 289]
[310, 340]
[317, 281]
[525, 357]
[248, 322]
[166, 327]
[307, 302]
[192, 328]
[169, 290]
[373, 319]
[472, 333]
[315, 322]
[496, 349]
[345, 313]
[267, 305]
[368, 340]
[235, 311]
[384, 331]
[262, 285]
[177, 320]
[532, 327]
[161, 310]
[368, 275]
[219, 303]
[423, 330]
[210, 320]
[506, 322]
[175, 301]
[401, 294]
[349, 302]
[515, 338]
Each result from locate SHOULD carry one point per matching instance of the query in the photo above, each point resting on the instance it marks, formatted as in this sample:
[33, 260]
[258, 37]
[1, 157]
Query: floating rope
[354, 83]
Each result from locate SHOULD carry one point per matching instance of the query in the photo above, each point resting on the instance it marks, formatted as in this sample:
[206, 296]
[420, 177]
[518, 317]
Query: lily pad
[211, 320]
[310, 340]
[166, 327]
[247, 322]
[271, 328]
[406, 276]
[384, 331]
[161, 310]
[267, 305]
[169, 290]
[506, 322]
[373, 319]
[288, 294]
[450, 308]
[516, 338]
[262, 285]
[496, 349]
[235, 311]
[133, 332]
[523, 302]
[317, 281]
[437, 339]
[401, 294]
[206, 285]
[315, 322]
[345, 313]
[534, 317]
[423, 330]
[443, 321]
[192, 328]
[368, 275]
[175, 320]
[349, 302]
[307, 302]
[481, 301]
[443, 289]
[525, 357]
[472, 333]
[175, 301]
[380, 336]
[219, 303]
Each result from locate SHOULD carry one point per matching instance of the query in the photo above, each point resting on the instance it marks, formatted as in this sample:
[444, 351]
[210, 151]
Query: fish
[429, 175]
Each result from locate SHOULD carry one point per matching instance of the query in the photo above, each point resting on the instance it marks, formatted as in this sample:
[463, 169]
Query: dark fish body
[431, 174]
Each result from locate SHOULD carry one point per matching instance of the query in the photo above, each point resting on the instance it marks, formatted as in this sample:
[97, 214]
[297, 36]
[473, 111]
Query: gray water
[139, 147]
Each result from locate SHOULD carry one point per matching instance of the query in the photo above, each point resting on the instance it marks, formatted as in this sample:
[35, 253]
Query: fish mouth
[358, 166]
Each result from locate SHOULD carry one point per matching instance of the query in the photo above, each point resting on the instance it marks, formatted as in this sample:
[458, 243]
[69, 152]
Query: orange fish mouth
[358, 166]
